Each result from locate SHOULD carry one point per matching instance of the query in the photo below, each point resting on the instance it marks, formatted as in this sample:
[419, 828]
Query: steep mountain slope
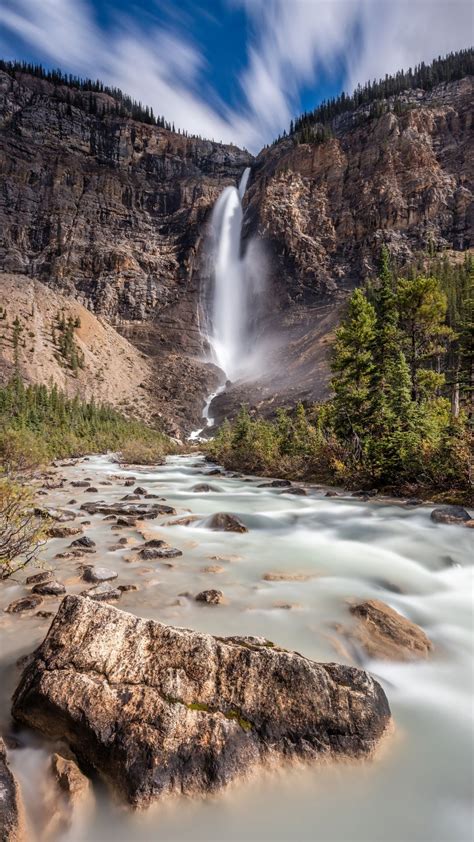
[113, 213]
[404, 178]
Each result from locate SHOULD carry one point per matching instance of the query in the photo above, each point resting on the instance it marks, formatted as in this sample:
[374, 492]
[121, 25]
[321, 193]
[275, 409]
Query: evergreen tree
[422, 307]
[353, 366]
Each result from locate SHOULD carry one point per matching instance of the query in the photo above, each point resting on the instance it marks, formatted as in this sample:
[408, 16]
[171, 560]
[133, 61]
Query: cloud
[289, 44]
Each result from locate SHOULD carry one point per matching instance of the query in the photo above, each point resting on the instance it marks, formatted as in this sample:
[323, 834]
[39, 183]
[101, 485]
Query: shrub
[21, 531]
[139, 452]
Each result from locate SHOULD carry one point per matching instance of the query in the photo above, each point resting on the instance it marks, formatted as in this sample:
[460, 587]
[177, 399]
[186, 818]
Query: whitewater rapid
[420, 787]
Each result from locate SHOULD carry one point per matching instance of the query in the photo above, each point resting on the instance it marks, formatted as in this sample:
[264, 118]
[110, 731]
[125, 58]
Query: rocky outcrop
[11, 813]
[158, 710]
[404, 178]
[384, 633]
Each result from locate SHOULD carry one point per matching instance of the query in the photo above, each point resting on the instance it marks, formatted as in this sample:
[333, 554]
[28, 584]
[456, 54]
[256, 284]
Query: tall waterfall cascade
[238, 281]
[237, 286]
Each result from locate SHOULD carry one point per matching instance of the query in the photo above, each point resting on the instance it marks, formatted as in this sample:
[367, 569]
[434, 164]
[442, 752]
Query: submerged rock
[39, 578]
[211, 596]
[450, 514]
[50, 589]
[276, 483]
[157, 710]
[25, 603]
[224, 522]
[11, 813]
[296, 490]
[384, 633]
[204, 487]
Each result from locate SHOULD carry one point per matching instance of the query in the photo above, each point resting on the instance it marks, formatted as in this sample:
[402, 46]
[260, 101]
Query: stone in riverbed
[11, 811]
[85, 541]
[211, 596]
[225, 522]
[157, 710]
[384, 633]
[50, 589]
[163, 552]
[296, 490]
[129, 482]
[125, 509]
[39, 578]
[63, 531]
[25, 603]
[139, 490]
[450, 514]
[276, 483]
[204, 487]
[103, 592]
[98, 574]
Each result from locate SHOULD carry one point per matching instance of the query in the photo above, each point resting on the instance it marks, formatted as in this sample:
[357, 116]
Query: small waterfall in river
[237, 286]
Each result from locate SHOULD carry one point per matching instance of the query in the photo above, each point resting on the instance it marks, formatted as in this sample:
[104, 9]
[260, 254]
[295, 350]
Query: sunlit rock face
[403, 179]
[157, 710]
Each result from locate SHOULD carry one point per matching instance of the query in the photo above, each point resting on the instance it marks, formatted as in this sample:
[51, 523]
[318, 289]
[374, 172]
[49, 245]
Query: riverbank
[287, 579]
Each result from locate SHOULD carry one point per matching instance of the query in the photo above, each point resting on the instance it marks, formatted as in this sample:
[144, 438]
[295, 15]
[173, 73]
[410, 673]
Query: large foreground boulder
[156, 709]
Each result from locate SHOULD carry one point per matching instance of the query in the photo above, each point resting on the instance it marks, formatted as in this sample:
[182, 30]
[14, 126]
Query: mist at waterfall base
[237, 289]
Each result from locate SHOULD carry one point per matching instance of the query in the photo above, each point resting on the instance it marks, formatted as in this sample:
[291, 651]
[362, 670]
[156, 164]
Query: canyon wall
[113, 212]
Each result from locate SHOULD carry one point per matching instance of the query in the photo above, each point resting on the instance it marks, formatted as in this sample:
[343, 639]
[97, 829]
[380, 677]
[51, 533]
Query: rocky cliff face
[107, 208]
[113, 212]
[404, 178]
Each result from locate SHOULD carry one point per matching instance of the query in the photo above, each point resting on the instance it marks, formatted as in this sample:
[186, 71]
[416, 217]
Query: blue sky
[233, 70]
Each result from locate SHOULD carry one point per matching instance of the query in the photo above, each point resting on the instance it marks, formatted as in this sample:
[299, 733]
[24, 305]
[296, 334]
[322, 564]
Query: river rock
[39, 578]
[276, 483]
[224, 522]
[141, 510]
[50, 589]
[211, 596]
[25, 603]
[98, 574]
[84, 543]
[159, 552]
[129, 482]
[331, 494]
[296, 490]
[139, 490]
[450, 514]
[61, 515]
[11, 811]
[80, 483]
[103, 592]
[72, 783]
[158, 710]
[384, 633]
[63, 531]
[204, 487]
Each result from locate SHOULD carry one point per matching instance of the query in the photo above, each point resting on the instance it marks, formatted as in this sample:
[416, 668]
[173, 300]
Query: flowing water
[238, 283]
[420, 785]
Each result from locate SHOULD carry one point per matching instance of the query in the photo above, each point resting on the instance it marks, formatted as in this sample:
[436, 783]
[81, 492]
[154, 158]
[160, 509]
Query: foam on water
[420, 786]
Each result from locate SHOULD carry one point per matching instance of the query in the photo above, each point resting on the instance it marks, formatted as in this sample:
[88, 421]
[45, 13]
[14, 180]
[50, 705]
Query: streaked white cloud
[290, 43]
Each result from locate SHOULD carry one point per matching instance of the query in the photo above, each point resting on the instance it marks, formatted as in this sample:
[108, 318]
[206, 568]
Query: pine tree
[353, 366]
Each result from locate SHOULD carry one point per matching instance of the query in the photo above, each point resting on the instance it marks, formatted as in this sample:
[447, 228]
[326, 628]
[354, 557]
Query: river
[420, 785]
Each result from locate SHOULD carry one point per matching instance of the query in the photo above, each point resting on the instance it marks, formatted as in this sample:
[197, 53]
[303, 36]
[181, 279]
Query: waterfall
[233, 289]
[237, 286]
